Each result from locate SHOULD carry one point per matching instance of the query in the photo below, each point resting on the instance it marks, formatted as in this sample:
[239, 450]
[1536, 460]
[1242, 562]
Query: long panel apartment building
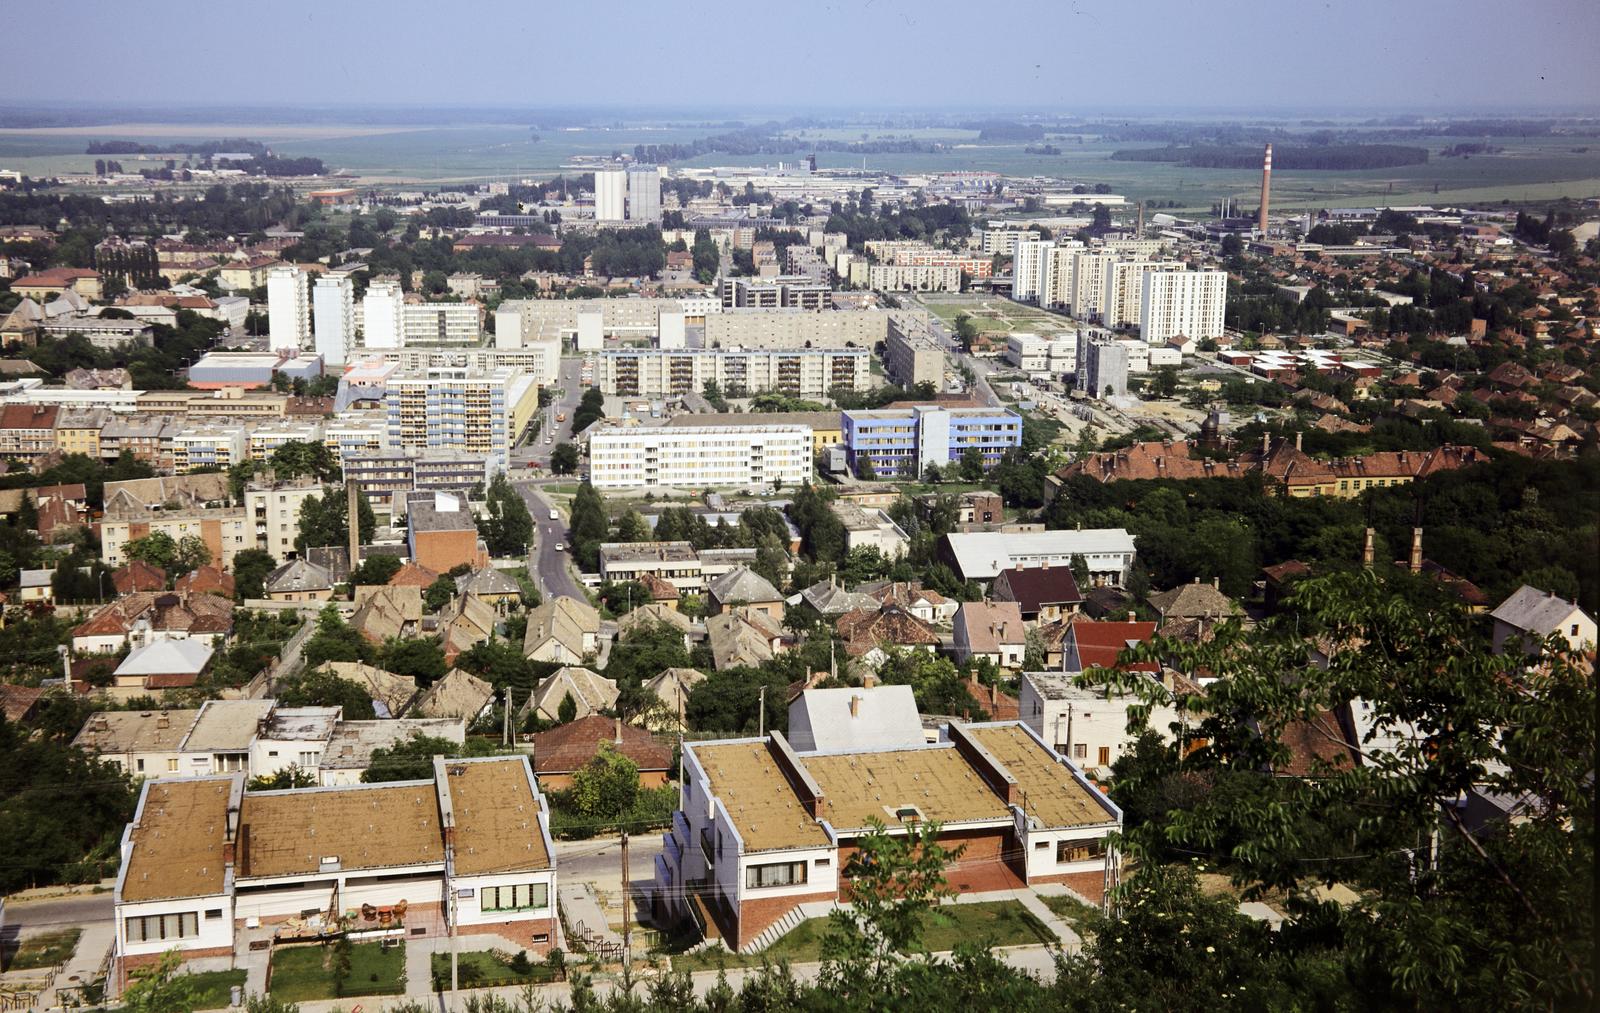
[1186, 303]
[689, 457]
[902, 442]
[480, 413]
[631, 372]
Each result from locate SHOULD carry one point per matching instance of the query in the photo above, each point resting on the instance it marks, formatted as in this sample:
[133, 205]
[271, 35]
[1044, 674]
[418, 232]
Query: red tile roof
[1099, 643]
[567, 748]
[139, 575]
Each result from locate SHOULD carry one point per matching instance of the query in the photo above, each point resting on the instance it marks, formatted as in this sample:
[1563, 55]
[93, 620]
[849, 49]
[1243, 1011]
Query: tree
[894, 882]
[972, 464]
[564, 459]
[440, 593]
[291, 776]
[161, 989]
[375, 570]
[321, 688]
[589, 526]
[591, 408]
[566, 710]
[325, 520]
[631, 527]
[192, 553]
[864, 469]
[334, 640]
[422, 659]
[250, 570]
[1166, 381]
[296, 458]
[508, 528]
[605, 788]
[157, 548]
[411, 760]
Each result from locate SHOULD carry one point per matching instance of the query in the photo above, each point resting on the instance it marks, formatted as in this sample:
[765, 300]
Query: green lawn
[214, 989]
[998, 923]
[1067, 909]
[481, 968]
[47, 949]
[302, 974]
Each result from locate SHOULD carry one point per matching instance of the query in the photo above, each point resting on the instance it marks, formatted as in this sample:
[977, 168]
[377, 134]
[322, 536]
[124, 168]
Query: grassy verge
[998, 923]
[1071, 911]
[481, 968]
[47, 949]
[305, 973]
[214, 989]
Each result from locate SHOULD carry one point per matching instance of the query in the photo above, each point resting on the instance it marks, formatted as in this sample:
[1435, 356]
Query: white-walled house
[1084, 724]
[468, 849]
[1532, 616]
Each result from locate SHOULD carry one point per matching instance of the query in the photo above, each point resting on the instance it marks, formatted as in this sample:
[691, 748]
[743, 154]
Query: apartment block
[1187, 303]
[288, 307]
[460, 409]
[754, 456]
[334, 299]
[914, 278]
[1102, 365]
[1124, 289]
[629, 372]
[205, 446]
[441, 323]
[778, 329]
[274, 510]
[901, 442]
[911, 360]
[225, 530]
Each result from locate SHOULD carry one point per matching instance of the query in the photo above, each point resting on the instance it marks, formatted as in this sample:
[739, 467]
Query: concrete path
[580, 907]
[83, 967]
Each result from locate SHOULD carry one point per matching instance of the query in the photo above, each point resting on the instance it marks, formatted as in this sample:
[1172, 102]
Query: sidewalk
[83, 966]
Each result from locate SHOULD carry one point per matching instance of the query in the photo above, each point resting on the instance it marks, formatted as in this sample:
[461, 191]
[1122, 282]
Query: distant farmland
[1321, 157]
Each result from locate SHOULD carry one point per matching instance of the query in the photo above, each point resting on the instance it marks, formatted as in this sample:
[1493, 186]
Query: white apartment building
[478, 412]
[288, 307]
[610, 195]
[382, 316]
[700, 457]
[275, 513]
[653, 372]
[1030, 267]
[1187, 303]
[205, 446]
[644, 194]
[1034, 354]
[440, 323]
[913, 278]
[1087, 297]
[1124, 289]
[265, 439]
[335, 304]
[1138, 355]
[1001, 241]
[1084, 724]
[1055, 284]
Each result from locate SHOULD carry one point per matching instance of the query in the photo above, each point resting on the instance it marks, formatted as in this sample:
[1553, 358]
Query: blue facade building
[902, 442]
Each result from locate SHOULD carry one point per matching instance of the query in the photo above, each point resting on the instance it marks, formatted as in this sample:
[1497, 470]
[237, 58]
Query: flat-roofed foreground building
[765, 828]
[696, 457]
[468, 849]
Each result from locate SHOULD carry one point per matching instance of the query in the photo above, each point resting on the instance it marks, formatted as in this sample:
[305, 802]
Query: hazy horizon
[1091, 58]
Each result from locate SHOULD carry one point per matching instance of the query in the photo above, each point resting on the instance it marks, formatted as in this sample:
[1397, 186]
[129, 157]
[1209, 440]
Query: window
[1080, 751]
[172, 765]
[139, 765]
[1081, 850]
[213, 912]
[522, 897]
[152, 928]
[779, 874]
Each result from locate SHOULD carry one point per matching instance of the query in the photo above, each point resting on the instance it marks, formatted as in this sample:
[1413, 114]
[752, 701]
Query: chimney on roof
[1368, 552]
[1133, 616]
[1266, 443]
[855, 706]
[1216, 583]
[1297, 439]
[619, 731]
[1416, 550]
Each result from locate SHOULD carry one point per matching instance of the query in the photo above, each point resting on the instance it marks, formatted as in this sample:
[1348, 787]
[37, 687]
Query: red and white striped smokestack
[1266, 189]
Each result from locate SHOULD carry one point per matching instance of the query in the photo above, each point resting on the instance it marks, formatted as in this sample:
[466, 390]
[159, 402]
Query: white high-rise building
[1030, 266]
[1187, 303]
[335, 299]
[383, 311]
[1124, 289]
[698, 457]
[1087, 296]
[644, 194]
[610, 194]
[288, 307]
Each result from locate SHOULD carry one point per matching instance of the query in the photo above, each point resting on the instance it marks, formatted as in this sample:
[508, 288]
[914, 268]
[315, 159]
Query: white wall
[819, 879]
[469, 910]
[213, 932]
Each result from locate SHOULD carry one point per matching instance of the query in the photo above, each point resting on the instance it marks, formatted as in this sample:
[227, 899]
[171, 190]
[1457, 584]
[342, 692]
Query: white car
[554, 515]
[560, 547]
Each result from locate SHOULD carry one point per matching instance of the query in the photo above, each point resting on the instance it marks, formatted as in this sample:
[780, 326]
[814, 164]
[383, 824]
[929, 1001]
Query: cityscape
[622, 529]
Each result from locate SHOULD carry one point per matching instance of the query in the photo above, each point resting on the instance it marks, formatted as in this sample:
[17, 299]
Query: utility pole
[454, 975]
[763, 725]
[627, 916]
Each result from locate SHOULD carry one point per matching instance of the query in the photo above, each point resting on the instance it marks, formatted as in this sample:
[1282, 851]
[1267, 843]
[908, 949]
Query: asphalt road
[551, 569]
[944, 338]
[58, 911]
[599, 861]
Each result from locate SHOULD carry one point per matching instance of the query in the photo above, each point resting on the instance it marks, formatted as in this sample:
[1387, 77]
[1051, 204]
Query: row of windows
[778, 874]
[521, 897]
[152, 928]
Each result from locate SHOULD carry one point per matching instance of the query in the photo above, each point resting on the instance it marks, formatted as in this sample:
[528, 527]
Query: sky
[1064, 56]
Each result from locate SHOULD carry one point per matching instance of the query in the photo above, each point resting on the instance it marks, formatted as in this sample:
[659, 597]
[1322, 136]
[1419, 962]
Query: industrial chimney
[1416, 550]
[1266, 189]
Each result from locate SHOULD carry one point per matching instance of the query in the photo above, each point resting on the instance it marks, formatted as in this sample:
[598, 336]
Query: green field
[991, 313]
[304, 973]
[1527, 169]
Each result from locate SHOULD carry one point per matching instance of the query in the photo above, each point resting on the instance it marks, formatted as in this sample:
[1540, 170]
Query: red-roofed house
[139, 575]
[991, 631]
[1043, 593]
[1090, 644]
[561, 752]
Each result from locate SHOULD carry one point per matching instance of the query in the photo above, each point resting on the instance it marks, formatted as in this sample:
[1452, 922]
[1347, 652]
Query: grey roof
[36, 578]
[352, 743]
[832, 720]
[1534, 611]
[227, 725]
[743, 584]
[981, 555]
[298, 575]
[167, 657]
[830, 599]
[440, 512]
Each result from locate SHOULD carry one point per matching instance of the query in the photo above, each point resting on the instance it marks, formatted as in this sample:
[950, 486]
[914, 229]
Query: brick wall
[756, 916]
[992, 860]
[520, 931]
[442, 551]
